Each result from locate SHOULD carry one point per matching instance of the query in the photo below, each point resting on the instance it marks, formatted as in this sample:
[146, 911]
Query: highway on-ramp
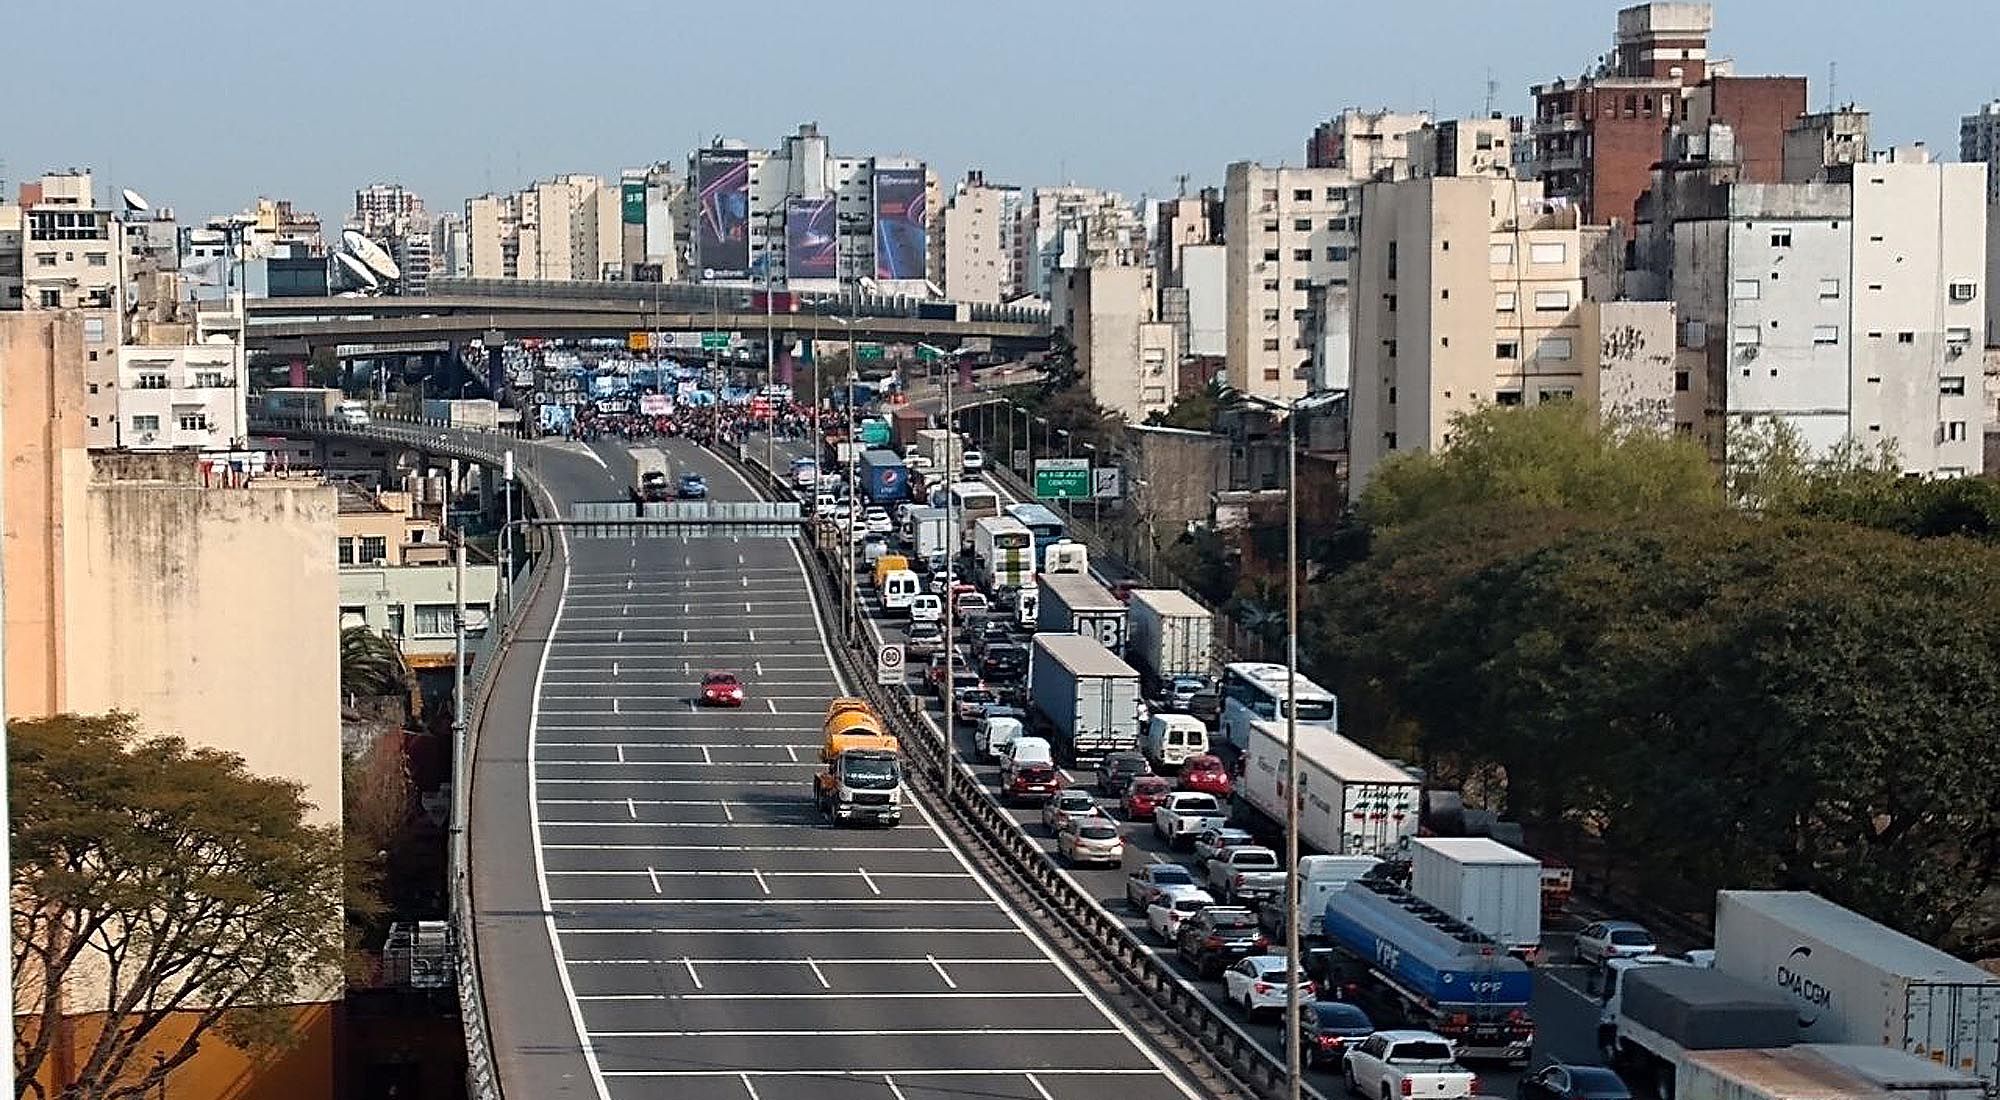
[660, 913]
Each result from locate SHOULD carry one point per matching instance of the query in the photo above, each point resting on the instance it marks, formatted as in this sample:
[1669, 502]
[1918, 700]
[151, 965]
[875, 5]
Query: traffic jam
[1100, 712]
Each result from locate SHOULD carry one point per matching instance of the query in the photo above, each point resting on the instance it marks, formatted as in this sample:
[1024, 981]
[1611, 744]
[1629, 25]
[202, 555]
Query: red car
[721, 689]
[1206, 774]
[1143, 797]
[1035, 783]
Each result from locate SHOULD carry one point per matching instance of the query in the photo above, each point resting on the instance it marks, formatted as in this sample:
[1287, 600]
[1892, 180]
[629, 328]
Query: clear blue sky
[205, 104]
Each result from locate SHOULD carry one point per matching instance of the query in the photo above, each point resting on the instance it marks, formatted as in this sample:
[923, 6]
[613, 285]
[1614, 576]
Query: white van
[926, 608]
[899, 588]
[997, 734]
[354, 414]
[1172, 738]
[1026, 750]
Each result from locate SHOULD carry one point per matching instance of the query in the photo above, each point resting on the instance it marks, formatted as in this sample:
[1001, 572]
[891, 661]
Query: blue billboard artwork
[812, 238]
[900, 244]
[722, 235]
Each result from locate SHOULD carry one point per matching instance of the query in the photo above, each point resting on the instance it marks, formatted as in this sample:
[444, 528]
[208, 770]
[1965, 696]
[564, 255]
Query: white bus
[970, 502]
[1003, 551]
[1252, 691]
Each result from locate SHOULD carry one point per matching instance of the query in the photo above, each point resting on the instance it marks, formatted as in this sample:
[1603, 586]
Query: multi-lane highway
[659, 911]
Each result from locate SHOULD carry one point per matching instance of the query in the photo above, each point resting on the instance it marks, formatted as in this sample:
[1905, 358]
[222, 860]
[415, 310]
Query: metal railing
[698, 297]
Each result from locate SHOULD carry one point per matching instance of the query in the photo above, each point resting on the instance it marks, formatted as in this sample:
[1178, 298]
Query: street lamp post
[853, 487]
[1293, 795]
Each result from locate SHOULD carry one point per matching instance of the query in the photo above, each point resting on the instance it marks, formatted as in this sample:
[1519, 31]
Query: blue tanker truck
[1411, 964]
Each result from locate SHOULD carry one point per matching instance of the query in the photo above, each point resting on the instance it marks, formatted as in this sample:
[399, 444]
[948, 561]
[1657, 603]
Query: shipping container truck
[1665, 1012]
[1485, 884]
[1818, 1072]
[1355, 803]
[1855, 981]
[1406, 962]
[884, 478]
[906, 425]
[1082, 696]
[472, 414]
[943, 448]
[1074, 603]
[652, 482]
[1170, 635]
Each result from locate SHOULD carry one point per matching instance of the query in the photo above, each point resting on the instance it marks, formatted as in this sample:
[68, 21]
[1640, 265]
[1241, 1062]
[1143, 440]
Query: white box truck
[1856, 981]
[1485, 884]
[1082, 695]
[942, 447]
[930, 533]
[1354, 802]
[1074, 603]
[1817, 1072]
[1169, 634]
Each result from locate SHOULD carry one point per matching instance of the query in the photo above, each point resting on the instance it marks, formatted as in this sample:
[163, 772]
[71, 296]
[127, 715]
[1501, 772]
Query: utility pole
[460, 785]
[1293, 796]
[507, 535]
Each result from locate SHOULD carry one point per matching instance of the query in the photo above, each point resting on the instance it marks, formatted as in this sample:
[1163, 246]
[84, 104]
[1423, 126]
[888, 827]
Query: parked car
[1143, 796]
[1208, 774]
[1214, 839]
[1090, 839]
[1067, 806]
[1217, 936]
[1258, 983]
[1172, 907]
[1146, 883]
[1328, 1029]
[1117, 771]
[1558, 1081]
[1613, 939]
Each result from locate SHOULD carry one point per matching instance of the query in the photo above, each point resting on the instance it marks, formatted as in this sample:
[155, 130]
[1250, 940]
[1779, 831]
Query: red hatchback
[1206, 774]
[721, 689]
[1144, 796]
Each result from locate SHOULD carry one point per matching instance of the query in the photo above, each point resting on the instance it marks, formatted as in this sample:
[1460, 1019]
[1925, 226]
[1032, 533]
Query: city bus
[1002, 553]
[1041, 521]
[970, 502]
[1253, 690]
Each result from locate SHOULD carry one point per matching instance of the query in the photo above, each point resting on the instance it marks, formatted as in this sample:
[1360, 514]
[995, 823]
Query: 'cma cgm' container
[1856, 981]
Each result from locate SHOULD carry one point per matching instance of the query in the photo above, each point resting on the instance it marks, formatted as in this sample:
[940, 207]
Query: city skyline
[379, 120]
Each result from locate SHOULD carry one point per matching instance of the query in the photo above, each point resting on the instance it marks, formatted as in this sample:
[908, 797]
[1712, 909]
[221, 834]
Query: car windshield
[1204, 764]
[1074, 800]
[1125, 765]
[1190, 904]
[723, 679]
[1036, 773]
[1254, 857]
[1337, 1014]
[1092, 830]
[873, 774]
[1168, 874]
[975, 696]
[1277, 974]
[1631, 937]
[1233, 918]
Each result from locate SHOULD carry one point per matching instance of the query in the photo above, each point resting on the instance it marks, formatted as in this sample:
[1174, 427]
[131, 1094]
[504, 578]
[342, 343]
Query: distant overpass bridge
[463, 309]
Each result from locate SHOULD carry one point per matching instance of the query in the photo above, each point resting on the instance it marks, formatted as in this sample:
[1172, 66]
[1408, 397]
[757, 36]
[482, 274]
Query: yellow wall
[304, 1070]
[41, 398]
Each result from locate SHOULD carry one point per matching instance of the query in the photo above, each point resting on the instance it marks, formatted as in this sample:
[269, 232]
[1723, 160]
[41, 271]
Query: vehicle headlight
[846, 796]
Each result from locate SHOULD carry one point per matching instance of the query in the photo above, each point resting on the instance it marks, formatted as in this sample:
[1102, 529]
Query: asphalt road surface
[690, 916]
[1566, 1018]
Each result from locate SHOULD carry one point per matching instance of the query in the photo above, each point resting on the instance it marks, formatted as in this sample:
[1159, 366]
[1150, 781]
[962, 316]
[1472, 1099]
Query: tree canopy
[371, 667]
[152, 879]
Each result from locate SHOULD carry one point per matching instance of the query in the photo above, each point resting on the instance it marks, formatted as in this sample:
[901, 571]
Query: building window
[1270, 374]
[1302, 194]
[93, 330]
[1748, 336]
[1337, 253]
[1563, 393]
[1270, 194]
[51, 299]
[1507, 349]
[1681, 381]
[1826, 334]
[1829, 288]
[1747, 290]
[151, 380]
[1336, 194]
[1338, 225]
[1392, 395]
[1303, 225]
[1551, 301]
[1952, 385]
[1389, 348]
[1271, 343]
[374, 549]
[1507, 397]
[1500, 254]
[194, 421]
[1300, 314]
[1270, 255]
[395, 620]
[1389, 438]
[145, 423]
[1302, 284]
[1964, 292]
[1781, 238]
[1271, 316]
[1271, 285]
[1503, 301]
[1554, 348]
[1390, 301]
[1270, 225]
[1906, 337]
[1303, 255]
[208, 379]
[1958, 334]
[1444, 295]
[1954, 431]
[1551, 252]
[345, 556]
[434, 620]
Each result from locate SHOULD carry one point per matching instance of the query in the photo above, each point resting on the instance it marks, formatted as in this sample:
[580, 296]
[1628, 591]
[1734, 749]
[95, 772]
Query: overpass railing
[696, 297]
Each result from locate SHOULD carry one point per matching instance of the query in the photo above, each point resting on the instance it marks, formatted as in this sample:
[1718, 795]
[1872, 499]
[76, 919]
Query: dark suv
[1217, 936]
[999, 663]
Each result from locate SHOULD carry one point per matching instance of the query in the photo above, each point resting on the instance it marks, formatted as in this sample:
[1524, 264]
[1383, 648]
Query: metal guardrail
[1230, 1062]
[706, 296]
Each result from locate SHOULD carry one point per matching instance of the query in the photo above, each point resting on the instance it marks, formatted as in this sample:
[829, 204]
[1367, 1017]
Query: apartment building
[563, 229]
[1597, 136]
[1065, 228]
[1365, 142]
[73, 258]
[1125, 355]
[397, 576]
[1286, 231]
[1978, 141]
[1473, 290]
[650, 245]
[978, 240]
[181, 397]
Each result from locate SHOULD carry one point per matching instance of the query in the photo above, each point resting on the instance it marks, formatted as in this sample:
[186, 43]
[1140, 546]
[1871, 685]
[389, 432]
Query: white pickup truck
[1245, 874]
[1389, 1065]
[1185, 814]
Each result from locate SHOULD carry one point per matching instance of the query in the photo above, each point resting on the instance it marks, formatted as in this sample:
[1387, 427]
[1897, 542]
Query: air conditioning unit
[1749, 352]
[148, 437]
[1953, 351]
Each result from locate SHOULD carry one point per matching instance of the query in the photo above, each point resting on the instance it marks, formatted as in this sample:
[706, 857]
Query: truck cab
[862, 785]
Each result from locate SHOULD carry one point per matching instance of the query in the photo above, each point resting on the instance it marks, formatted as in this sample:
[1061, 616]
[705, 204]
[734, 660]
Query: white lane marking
[745, 580]
[731, 816]
[739, 559]
[655, 876]
[773, 704]
[535, 827]
[752, 633]
[692, 976]
[765, 961]
[793, 752]
[615, 673]
[791, 930]
[621, 752]
[624, 610]
[939, 967]
[761, 884]
[831, 996]
[870, 881]
[710, 782]
[1040, 1090]
[961, 902]
[746, 607]
[739, 872]
[628, 584]
[734, 848]
[850, 1072]
[748, 1087]
[614, 706]
[707, 759]
[632, 808]
[893, 1090]
[820, 974]
[759, 666]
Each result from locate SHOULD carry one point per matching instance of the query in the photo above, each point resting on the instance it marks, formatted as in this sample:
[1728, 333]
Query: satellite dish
[134, 200]
[357, 271]
[368, 252]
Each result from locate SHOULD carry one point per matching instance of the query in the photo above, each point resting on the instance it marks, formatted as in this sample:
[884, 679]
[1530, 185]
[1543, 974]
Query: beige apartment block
[1287, 231]
[1126, 357]
[977, 259]
[1469, 291]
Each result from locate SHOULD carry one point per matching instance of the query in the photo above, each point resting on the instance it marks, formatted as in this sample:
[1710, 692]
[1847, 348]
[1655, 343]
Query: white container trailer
[942, 447]
[1169, 634]
[1856, 981]
[1354, 803]
[1083, 695]
[1813, 1072]
[1485, 884]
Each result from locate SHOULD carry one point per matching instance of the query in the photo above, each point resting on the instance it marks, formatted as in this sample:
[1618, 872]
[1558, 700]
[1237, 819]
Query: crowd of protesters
[726, 424]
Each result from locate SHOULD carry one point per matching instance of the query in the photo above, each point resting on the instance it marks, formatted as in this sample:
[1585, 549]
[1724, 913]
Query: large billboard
[633, 205]
[899, 223]
[812, 238]
[722, 237]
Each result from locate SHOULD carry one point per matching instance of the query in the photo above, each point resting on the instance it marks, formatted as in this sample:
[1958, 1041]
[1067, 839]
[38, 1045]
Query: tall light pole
[853, 485]
[1293, 1077]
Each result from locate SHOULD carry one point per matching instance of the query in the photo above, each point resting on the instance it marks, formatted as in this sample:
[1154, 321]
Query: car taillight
[1329, 1040]
[1261, 941]
[1406, 1085]
[1310, 987]
[1475, 1084]
[1261, 987]
[1241, 878]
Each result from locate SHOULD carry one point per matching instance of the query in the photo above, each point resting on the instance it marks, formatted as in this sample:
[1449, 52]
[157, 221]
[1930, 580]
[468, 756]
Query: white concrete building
[1065, 228]
[1204, 276]
[1286, 230]
[979, 229]
[449, 256]
[382, 210]
[181, 397]
[73, 257]
[562, 229]
[1126, 358]
[650, 246]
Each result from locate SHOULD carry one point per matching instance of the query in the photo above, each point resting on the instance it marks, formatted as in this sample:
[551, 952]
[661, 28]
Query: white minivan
[1171, 739]
[926, 608]
[1026, 750]
[900, 588]
[997, 734]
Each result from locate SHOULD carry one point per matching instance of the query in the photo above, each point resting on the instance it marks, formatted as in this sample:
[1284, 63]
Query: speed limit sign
[889, 664]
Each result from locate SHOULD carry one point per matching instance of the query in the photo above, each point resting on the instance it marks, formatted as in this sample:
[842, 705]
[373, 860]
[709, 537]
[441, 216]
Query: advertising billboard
[722, 237]
[899, 223]
[812, 240]
[633, 208]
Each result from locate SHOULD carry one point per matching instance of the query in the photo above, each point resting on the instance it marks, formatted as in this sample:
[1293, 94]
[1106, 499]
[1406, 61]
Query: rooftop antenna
[1181, 180]
[1832, 86]
[1492, 93]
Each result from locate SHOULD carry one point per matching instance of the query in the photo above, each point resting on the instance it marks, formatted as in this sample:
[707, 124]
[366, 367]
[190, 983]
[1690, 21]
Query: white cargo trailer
[1169, 634]
[1354, 803]
[1485, 884]
[1856, 981]
[1083, 696]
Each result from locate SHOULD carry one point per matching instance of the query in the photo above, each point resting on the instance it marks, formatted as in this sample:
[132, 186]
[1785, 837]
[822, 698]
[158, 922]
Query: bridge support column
[298, 372]
[488, 499]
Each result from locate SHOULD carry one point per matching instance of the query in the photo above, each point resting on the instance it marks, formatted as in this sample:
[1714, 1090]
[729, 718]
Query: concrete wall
[1175, 474]
[306, 1068]
[1204, 271]
[41, 373]
[1634, 342]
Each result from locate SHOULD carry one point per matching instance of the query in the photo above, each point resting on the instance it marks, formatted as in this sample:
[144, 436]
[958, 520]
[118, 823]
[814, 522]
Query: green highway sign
[865, 352]
[1062, 479]
[714, 341]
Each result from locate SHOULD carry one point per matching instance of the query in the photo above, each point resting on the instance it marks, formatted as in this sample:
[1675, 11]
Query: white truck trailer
[1353, 802]
[1485, 884]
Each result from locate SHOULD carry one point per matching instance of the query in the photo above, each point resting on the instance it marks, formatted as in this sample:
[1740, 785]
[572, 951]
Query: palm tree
[371, 667]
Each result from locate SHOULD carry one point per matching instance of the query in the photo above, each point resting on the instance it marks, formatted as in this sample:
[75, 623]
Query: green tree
[153, 880]
[1772, 469]
[1198, 410]
[371, 667]
[1555, 455]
